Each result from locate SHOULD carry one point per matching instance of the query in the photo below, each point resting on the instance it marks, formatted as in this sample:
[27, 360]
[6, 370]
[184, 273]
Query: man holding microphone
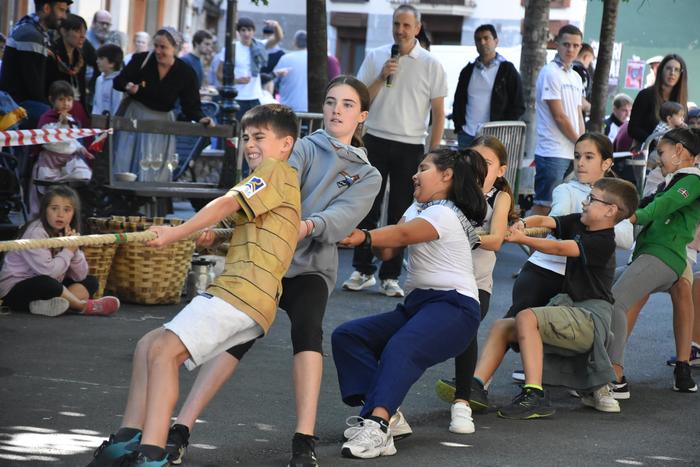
[405, 84]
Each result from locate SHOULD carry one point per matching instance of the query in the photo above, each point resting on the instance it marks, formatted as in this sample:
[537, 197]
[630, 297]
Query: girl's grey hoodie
[338, 187]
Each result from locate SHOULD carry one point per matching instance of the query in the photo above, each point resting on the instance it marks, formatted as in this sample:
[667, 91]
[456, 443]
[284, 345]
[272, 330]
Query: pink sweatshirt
[21, 265]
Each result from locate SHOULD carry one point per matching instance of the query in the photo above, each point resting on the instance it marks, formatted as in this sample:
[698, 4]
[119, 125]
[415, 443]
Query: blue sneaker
[111, 451]
[694, 360]
[139, 459]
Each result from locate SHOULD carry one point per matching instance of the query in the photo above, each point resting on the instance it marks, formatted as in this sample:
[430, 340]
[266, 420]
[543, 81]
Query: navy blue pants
[378, 358]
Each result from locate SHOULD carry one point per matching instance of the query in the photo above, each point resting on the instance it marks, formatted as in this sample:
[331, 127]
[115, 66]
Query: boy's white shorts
[209, 325]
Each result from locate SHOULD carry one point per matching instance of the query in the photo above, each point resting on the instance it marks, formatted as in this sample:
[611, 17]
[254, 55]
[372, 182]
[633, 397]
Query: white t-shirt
[293, 86]
[445, 263]
[400, 112]
[253, 89]
[555, 83]
[478, 109]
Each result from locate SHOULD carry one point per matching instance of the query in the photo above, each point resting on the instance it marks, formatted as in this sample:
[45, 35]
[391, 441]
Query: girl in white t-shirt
[500, 211]
[378, 358]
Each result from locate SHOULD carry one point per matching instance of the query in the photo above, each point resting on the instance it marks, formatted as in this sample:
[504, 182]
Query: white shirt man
[559, 117]
[396, 130]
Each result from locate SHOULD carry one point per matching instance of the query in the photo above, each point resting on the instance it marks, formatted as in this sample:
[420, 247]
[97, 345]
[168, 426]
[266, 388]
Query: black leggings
[535, 286]
[43, 288]
[465, 363]
[304, 299]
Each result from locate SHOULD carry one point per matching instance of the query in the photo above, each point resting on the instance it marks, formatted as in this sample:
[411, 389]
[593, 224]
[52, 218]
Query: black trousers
[398, 162]
[42, 288]
[304, 299]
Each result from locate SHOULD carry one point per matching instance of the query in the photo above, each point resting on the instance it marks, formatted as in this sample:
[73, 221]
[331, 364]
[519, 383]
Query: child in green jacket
[669, 218]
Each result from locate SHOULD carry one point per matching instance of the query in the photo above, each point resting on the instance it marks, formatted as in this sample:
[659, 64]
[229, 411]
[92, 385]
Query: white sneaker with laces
[602, 399]
[52, 307]
[397, 424]
[461, 419]
[391, 288]
[369, 442]
[359, 281]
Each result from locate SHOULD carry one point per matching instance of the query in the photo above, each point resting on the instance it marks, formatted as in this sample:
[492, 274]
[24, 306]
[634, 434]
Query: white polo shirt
[400, 112]
[556, 83]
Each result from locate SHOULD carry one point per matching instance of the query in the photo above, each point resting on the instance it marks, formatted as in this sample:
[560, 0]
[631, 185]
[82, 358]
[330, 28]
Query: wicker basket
[142, 274]
[99, 259]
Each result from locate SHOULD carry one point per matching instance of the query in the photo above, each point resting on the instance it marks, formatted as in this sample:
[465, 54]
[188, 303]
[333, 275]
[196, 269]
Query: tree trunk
[317, 50]
[532, 58]
[599, 93]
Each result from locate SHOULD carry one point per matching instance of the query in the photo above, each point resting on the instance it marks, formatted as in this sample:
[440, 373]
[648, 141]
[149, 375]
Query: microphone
[395, 56]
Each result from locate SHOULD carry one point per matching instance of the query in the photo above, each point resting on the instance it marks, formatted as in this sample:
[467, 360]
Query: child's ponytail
[469, 171]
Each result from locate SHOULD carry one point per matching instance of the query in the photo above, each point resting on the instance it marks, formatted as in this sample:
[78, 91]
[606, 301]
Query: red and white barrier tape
[53, 135]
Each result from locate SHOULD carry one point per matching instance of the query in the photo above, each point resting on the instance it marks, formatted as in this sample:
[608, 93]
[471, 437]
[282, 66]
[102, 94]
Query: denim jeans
[549, 172]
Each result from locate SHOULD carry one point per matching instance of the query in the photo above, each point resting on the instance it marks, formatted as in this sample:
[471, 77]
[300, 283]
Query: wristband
[367, 243]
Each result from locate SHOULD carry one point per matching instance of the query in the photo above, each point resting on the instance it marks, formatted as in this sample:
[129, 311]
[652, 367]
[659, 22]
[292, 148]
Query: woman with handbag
[153, 82]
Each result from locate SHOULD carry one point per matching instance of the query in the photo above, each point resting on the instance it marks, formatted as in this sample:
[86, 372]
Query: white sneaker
[52, 307]
[461, 421]
[602, 399]
[397, 424]
[391, 288]
[518, 376]
[369, 442]
[359, 281]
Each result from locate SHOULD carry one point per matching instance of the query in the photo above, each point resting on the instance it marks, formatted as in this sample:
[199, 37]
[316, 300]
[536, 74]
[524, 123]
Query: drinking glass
[145, 165]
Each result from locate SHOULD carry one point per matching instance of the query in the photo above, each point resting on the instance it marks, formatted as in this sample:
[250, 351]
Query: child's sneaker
[391, 288]
[138, 459]
[303, 451]
[694, 361]
[358, 281]
[52, 307]
[104, 306]
[529, 404]
[176, 446]
[621, 390]
[479, 399]
[602, 399]
[518, 376]
[445, 389]
[461, 420]
[682, 379]
[110, 451]
[369, 442]
[397, 424]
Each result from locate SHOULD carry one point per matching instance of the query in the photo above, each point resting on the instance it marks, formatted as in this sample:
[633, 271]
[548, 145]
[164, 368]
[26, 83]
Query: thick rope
[100, 239]
[131, 237]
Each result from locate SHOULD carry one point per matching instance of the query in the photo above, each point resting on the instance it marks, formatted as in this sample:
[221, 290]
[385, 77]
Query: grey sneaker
[397, 424]
[358, 281]
[52, 307]
[369, 442]
[391, 288]
[602, 399]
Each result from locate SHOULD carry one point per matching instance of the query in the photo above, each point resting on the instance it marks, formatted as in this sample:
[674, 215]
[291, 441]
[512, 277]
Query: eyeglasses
[673, 69]
[105, 24]
[590, 199]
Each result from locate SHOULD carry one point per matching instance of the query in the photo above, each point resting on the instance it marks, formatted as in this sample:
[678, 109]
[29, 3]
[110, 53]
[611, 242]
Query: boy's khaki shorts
[566, 327]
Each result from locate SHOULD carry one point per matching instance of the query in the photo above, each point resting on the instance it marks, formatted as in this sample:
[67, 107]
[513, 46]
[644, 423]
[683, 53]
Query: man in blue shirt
[202, 44]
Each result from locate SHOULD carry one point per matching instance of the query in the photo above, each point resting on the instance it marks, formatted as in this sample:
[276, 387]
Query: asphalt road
[63, 385]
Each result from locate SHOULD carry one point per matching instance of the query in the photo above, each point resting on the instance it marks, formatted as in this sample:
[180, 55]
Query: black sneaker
[529, 404]
[303, 451]
[479, 399]
[138, 459]
[621, 390]
[176, 446]
[112, 451]
[682, 379]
